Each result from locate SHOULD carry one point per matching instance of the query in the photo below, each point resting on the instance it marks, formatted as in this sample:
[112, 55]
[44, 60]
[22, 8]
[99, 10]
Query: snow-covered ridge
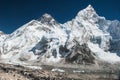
[47, 41]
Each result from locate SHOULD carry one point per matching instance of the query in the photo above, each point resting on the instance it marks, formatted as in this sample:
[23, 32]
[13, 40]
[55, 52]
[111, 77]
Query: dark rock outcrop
[81, 54]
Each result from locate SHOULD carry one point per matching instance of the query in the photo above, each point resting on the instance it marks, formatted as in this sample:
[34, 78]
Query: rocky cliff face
[81, 54]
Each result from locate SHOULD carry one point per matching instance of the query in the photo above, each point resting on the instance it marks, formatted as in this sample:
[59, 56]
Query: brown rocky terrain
[17, 72]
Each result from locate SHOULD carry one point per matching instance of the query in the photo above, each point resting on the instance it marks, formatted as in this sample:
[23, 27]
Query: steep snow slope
[2, 36]
[86, 37]
[88, 27]
[19, 43]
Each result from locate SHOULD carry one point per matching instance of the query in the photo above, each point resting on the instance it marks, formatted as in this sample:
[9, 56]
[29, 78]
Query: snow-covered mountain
[84, 39]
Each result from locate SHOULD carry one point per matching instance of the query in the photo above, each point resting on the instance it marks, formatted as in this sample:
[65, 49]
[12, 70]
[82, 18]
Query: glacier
[85, 39]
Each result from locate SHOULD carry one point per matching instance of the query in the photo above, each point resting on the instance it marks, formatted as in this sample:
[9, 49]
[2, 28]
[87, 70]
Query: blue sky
[15, 13]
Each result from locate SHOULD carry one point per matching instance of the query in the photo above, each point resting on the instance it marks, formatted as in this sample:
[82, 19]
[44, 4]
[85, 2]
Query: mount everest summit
[85, 39]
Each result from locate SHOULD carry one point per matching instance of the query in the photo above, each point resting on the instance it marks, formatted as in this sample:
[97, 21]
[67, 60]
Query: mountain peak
[47, 18]
[46, 15]
[90, 7]
[87, 13]
[82, 40]
[1, 33]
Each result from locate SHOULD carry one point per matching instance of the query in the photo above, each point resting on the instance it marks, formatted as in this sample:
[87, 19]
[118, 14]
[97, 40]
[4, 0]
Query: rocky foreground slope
[17, 72]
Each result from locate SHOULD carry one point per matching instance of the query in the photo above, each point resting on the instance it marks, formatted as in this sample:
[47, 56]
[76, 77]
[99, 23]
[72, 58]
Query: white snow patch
[78, 71]
[53, 59]
[34, 67]
[105, 56]
[58, 70]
